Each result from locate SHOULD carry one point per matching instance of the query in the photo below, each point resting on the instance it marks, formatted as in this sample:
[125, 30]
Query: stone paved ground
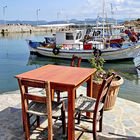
[120, 123]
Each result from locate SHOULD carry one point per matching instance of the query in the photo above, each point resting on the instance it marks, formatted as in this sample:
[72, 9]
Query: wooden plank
[71, 111]
[89, 91]
[49, 110]
[35, 98]
[61, 78]
[59, 74]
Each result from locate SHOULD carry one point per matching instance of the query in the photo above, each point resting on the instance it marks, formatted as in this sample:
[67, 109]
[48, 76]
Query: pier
[27, 28]
[21, 28]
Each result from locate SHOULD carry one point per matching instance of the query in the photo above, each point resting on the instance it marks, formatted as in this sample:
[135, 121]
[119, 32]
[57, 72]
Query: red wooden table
[63, 78]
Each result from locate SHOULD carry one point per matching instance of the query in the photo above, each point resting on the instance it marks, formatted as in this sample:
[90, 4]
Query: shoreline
[23, 28]
[16, 94]
[82, 87]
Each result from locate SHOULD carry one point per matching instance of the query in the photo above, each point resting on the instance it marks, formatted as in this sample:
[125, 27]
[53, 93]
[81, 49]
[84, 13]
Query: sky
[51, 10]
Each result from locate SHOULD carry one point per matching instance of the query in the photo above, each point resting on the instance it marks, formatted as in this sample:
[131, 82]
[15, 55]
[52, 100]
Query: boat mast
[97, 21]
[112, 19]
[111, 11]
[103, 17]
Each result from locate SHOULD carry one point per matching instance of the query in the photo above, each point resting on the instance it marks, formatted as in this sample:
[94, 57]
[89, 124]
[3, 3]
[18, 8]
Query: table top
[65, 75]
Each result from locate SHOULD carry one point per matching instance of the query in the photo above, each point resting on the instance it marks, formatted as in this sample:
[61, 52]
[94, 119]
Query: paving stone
[136, 129]
[130, 133]
[129, 123]
[122, 122]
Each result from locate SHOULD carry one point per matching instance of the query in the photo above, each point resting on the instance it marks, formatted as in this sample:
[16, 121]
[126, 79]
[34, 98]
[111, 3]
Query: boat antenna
[111, 11]
[103, 16]
[97, 21]
[116, 18]
[107, 26]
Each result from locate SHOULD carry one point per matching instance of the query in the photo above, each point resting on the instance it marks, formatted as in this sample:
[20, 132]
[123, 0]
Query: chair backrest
[76, 61]
[24, 84]
[102, 94]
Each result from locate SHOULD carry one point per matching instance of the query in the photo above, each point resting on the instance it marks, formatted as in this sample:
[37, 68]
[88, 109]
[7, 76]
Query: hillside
[133, 23]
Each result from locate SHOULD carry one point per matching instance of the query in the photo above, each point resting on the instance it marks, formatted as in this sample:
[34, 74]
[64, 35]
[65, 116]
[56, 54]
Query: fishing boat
[69, 43]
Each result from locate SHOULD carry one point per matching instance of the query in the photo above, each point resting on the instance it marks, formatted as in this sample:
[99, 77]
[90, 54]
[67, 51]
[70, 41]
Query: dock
[27, 28]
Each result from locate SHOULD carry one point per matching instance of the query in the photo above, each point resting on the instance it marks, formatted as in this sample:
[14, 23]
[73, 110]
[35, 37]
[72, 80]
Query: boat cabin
[49, 40]
[70, 38]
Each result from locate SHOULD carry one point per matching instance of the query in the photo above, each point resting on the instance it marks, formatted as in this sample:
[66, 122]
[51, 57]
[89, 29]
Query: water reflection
[130, 88]
[15, 59]
[41, 61]
[124, 68]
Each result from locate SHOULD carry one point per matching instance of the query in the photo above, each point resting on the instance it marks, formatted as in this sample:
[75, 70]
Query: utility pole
[4, 14]
[37, 15]
[58, 16]
[111, 11]
[103, 17]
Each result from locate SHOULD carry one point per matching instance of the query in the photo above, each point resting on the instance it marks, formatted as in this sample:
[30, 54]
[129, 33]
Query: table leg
[22, 91]
[52, 94]
[49, 110]
[71, 111]
[89, 91]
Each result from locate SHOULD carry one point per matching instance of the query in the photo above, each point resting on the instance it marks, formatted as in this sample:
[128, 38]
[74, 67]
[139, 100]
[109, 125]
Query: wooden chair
[33, 104]
[75, 62]
[95, 106]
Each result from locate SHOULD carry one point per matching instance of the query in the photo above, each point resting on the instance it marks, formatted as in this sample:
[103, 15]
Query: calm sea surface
[15, 59]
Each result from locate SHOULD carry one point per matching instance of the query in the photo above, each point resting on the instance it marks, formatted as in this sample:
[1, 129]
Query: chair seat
[39, 109]
[86, 104]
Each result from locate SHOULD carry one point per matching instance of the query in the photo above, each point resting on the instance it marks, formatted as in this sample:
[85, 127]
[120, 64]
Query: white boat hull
[107, 54]
[138, 73]
[137, 61]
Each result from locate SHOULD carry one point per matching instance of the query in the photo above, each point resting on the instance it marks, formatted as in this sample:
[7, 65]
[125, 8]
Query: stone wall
[18, 28]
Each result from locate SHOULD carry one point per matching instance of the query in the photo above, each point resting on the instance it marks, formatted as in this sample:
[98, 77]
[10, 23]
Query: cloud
[93, 8]
[121, 8]
[120, 0]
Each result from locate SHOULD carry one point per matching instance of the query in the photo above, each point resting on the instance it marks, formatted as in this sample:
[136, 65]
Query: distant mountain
[43, 22]
[24, 22]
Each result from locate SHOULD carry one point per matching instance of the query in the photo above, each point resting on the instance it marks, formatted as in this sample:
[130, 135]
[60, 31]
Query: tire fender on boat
[55, 51]
[97, 52]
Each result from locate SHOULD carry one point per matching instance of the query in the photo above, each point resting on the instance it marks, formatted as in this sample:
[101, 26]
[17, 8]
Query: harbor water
[15, 59]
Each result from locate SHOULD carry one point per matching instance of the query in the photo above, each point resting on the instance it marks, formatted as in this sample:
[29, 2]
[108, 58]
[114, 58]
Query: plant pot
[112, 94]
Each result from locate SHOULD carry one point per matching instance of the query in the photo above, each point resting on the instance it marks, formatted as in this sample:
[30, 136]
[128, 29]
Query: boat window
[88, 31]
[49, 39]
[79, 35]
[69, 36]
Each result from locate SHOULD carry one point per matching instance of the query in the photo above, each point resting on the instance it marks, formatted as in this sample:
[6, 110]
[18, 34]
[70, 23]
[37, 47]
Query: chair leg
[79, 116]
[94, 131]
[101, 121]
[38, 120]
[27, 130]
[75, 95]
[63, 118]
[100, 124]
[28, 118]
[94, 134]
[58, 96]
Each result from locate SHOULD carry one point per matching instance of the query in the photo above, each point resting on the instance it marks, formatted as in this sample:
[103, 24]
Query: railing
[74, 46]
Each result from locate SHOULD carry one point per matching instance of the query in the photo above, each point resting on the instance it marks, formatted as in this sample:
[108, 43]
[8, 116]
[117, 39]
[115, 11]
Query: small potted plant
[97, 62]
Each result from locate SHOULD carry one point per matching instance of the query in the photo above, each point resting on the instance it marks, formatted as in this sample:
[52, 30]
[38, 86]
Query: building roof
[57, 25]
